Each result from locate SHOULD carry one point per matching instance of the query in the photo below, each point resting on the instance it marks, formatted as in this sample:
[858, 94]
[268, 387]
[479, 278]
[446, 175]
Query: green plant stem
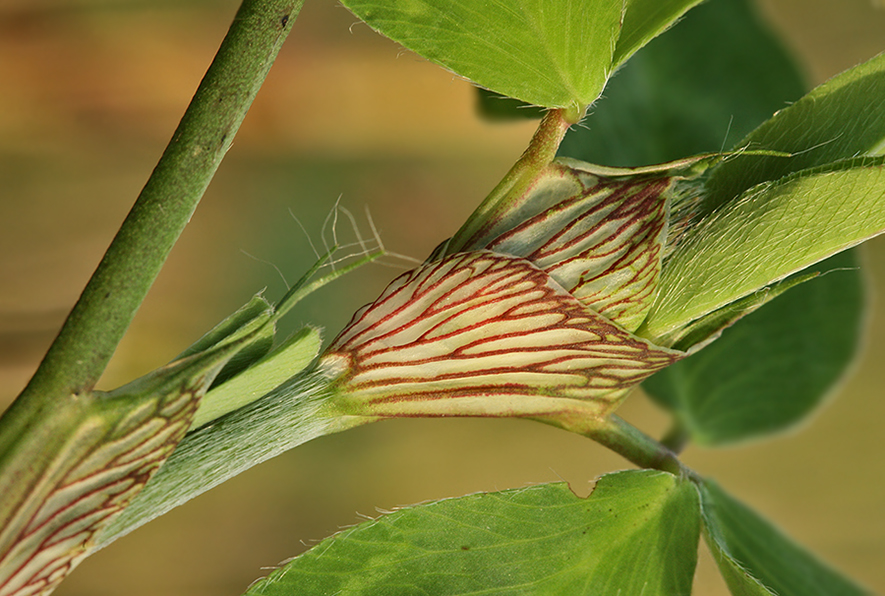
[621, 437]
[95, 326]
[637, 447]
[540, 152]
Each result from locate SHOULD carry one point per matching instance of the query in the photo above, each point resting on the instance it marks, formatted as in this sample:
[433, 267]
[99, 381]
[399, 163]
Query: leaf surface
[551, 54]
[756, 559]
[636, 533]
[772, 368]
[773, 231]
[646, 19]
[841, 119]
[712, 78]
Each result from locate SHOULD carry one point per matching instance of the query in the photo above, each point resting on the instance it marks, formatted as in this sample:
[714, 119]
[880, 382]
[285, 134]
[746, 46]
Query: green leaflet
[756, 559]
[839, 119]
[535, 540]
[768, 371]
[644, 20]
[712, 78]
[774, 230]
[550, 54]
[715, 76]
[842, 119]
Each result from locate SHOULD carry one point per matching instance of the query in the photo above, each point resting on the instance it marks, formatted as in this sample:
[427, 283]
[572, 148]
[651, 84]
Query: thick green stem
[107, 305]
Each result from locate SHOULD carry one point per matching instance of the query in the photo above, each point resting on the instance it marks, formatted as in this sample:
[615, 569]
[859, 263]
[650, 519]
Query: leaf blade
[773, 231]
[555, 55]
[774, 367]
[498, 543]
[646, 19]
[840, 119]
[720, 71]
[756, 558]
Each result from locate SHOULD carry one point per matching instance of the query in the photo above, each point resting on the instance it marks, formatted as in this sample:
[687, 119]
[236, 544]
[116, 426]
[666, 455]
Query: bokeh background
[90, 91]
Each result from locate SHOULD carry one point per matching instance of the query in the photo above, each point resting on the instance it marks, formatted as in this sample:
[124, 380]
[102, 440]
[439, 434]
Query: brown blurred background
[90, 91]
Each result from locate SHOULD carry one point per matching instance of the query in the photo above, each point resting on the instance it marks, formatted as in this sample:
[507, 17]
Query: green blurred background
[90, 91]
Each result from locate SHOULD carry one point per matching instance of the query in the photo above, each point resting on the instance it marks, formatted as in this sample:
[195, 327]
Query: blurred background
[91, 91]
